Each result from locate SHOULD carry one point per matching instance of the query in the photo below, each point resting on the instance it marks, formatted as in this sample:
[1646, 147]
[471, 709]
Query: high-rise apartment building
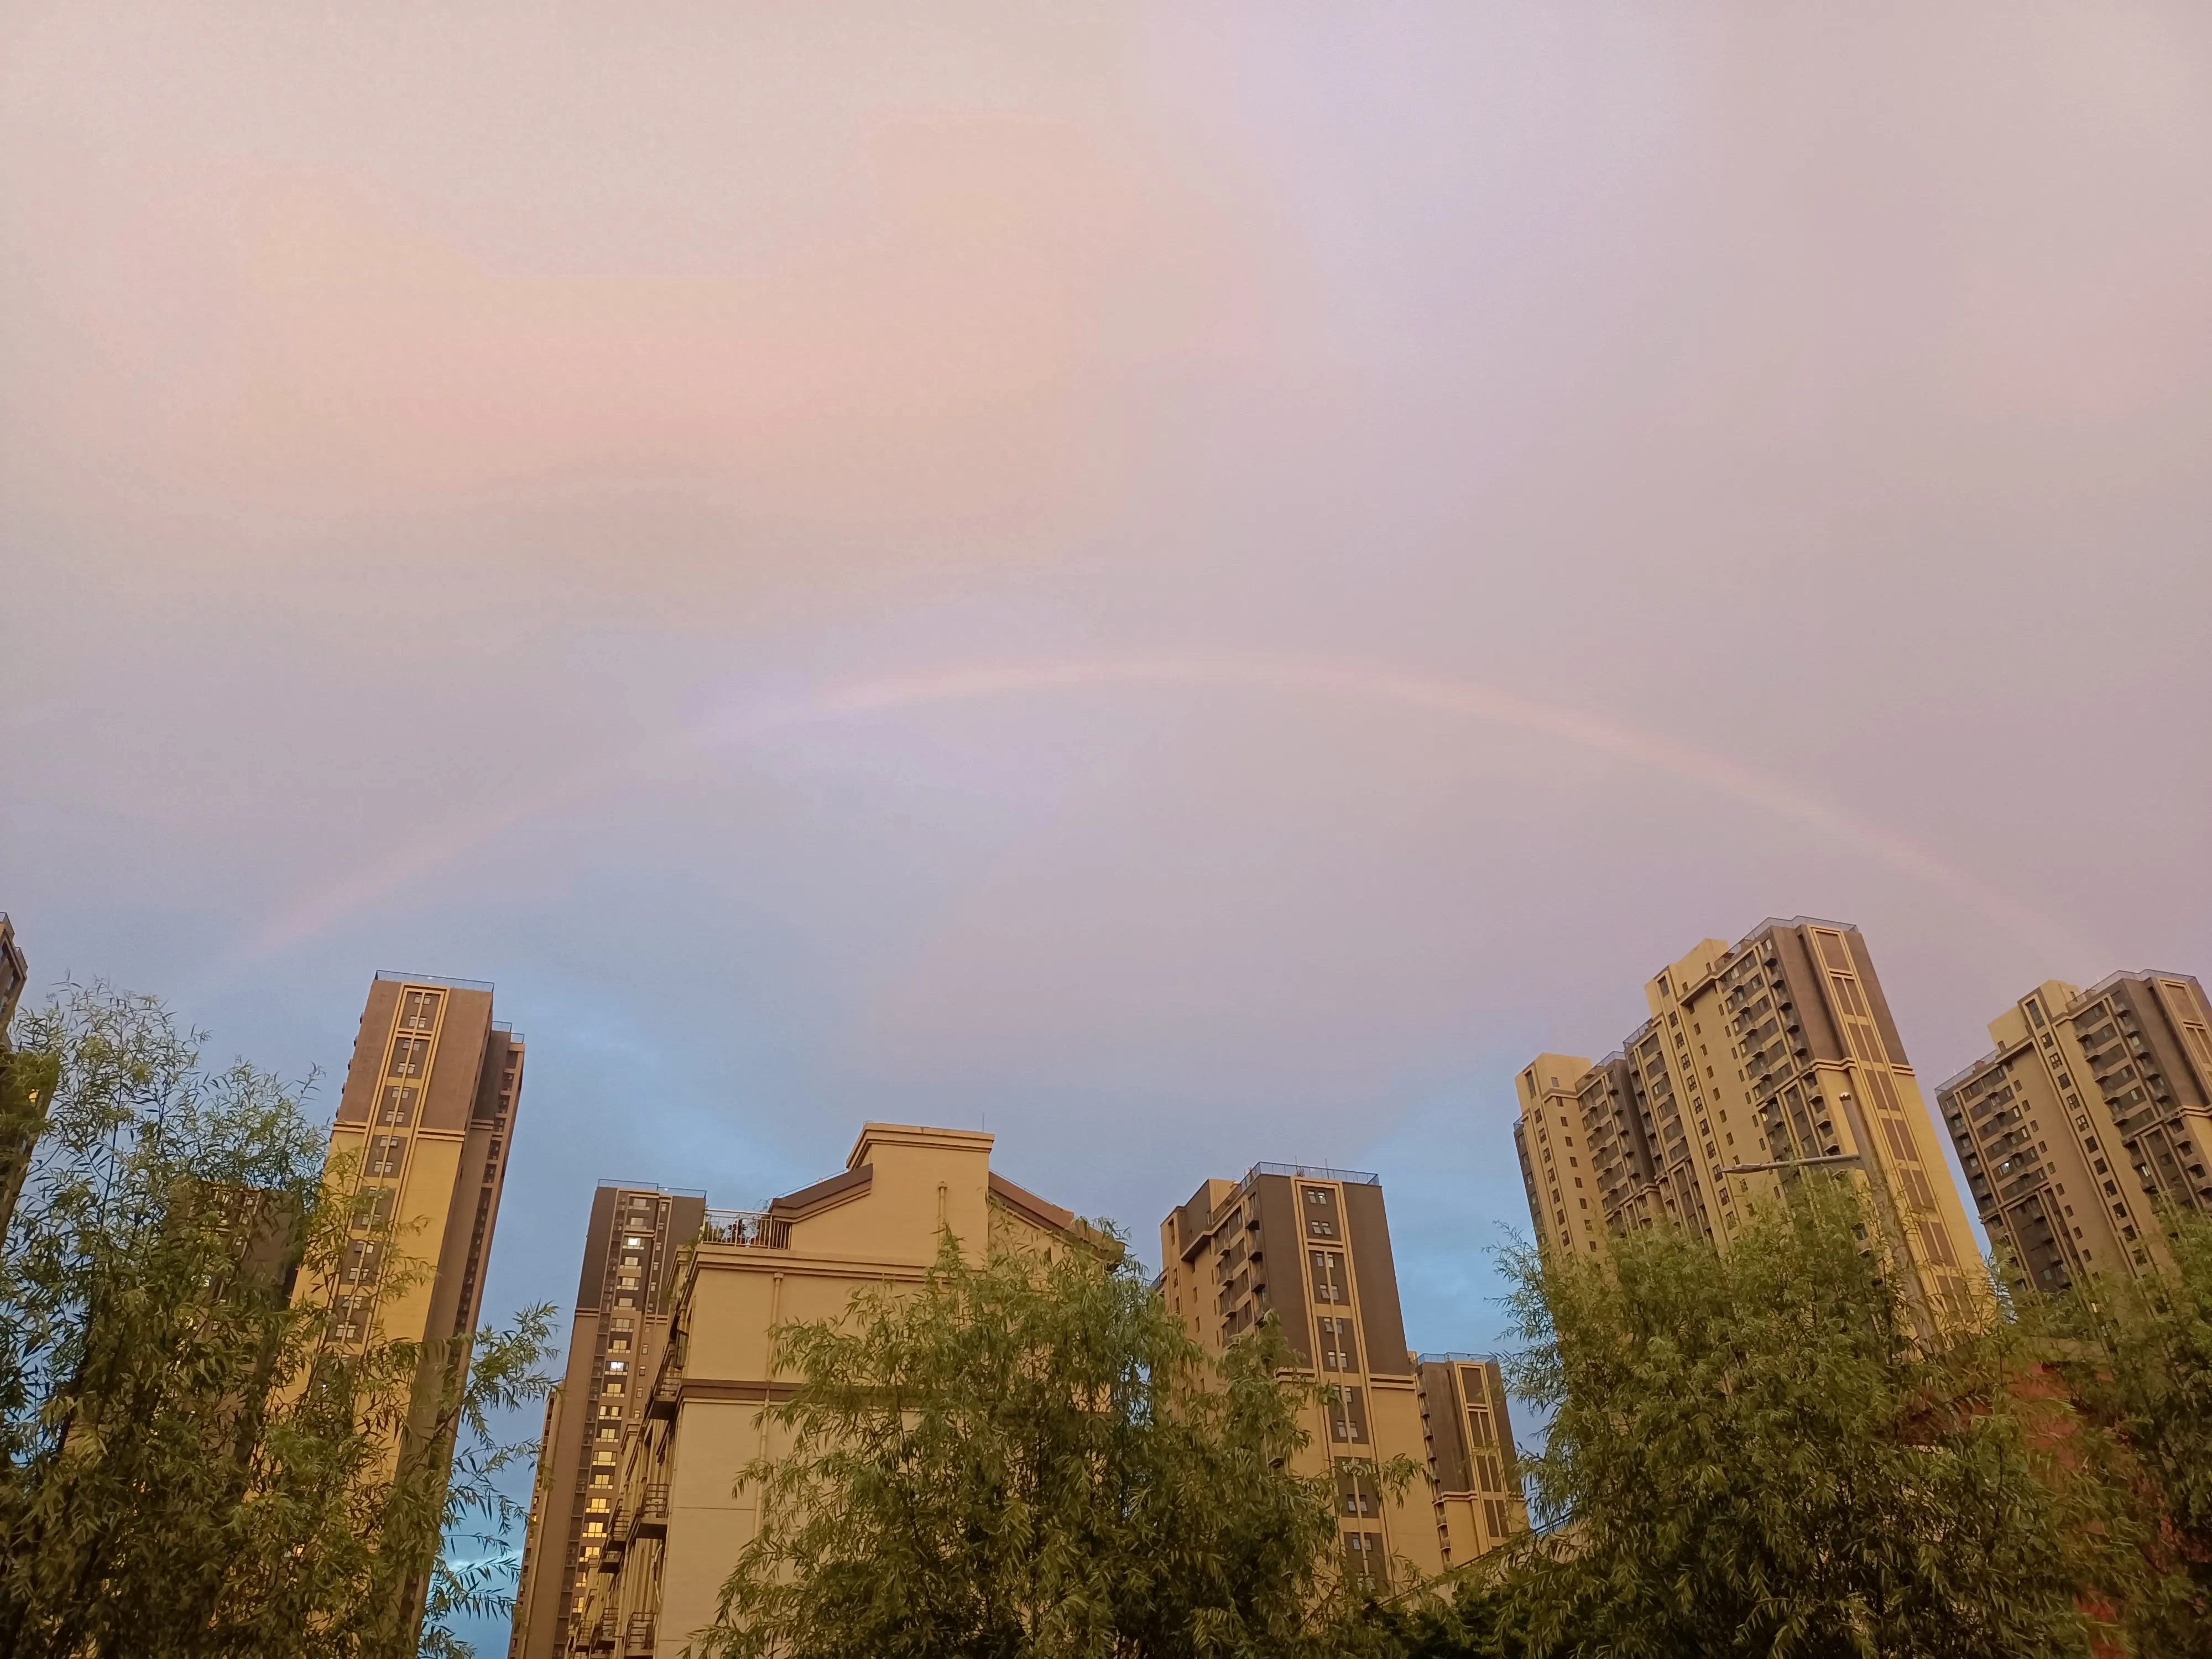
[632, 1248]
[1761, 1060]
[15, 976]
[672, 1533]
[2094, 1108]
[1312, 1246]
[21, 1110]
[418, 1152]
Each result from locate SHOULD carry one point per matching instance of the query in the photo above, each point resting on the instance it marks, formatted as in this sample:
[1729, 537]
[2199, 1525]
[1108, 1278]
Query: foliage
[2137, 1354]
[1030, 1457]
[188, 1465]
[1751, 1452]
[479, 1565]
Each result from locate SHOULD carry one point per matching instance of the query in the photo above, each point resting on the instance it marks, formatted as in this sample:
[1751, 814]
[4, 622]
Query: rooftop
[434, 979]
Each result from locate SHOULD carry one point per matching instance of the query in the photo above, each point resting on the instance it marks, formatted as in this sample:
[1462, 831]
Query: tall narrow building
[1312, 1246]
[418, 1150]
[2094, 1108]
[22, 1105]
[15, 976]
[1760, 1061]
[632, 1247]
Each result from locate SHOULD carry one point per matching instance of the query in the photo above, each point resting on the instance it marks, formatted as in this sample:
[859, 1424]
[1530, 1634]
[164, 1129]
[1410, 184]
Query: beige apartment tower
[2094, 1108]
[1760, 1061]
[674, 1528]
[1312, 1246]
[632, 1249]
[419, 1149]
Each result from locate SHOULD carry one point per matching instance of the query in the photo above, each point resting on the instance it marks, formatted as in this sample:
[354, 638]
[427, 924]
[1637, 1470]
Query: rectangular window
[418, 1011]
[410, 1057]
[398, 1106]
[1348, 1415]
[371, 1209]
[1328, 1277]
[1938, 1242]
[1923, 1196]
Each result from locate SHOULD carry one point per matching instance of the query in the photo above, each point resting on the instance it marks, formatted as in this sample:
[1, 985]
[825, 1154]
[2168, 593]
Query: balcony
[752, 1229]
[667, 1388]
[637, 1635]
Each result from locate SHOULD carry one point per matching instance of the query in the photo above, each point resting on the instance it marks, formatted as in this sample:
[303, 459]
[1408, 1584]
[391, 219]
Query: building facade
[632, 1248]
[15, 976]
[1760, 1061]
[1312, 1246]
[418, 1154]
[2094, 1108]
[22, 1108]
[674, 1529]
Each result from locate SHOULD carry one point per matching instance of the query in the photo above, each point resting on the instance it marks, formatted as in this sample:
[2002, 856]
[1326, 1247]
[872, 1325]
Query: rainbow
[1446, 697]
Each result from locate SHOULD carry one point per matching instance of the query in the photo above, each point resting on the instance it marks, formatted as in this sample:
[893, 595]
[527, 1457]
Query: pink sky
[1195, 583]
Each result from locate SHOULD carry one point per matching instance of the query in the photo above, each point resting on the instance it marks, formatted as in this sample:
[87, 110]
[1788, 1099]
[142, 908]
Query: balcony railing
[637, 1637]
[755, 1230]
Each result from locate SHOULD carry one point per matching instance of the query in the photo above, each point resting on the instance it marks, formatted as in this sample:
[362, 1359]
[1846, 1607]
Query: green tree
[1750, 1452]
[2137, 1355]
[480, 1561]
[188, 1466]
[1031, 1459]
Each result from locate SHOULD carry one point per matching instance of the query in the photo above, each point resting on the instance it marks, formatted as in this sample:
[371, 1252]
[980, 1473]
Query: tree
[1030, 1457]
[2136, 1355]
[187, 1467]
[479, 1565]
[1750, 1452]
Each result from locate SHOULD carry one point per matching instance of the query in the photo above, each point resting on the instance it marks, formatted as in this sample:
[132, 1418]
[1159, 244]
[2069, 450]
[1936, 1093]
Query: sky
[1188, 584]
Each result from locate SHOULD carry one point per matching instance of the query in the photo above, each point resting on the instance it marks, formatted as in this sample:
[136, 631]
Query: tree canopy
[1031, 1458]
[2135, 1355]
[1752, 1452]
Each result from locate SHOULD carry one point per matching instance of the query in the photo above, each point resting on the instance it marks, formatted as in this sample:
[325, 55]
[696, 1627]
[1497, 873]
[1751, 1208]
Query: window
[418, 1011]
[1328, 1276]
[398, 1106]
[410, 1057]
[360, 1264]
[371, 1209]
[385, 1154]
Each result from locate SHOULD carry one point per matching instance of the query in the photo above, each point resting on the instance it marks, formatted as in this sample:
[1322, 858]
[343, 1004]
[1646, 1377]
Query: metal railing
[1318, 1172]
[437, 979]
[754, 1229]
[638, 1637]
